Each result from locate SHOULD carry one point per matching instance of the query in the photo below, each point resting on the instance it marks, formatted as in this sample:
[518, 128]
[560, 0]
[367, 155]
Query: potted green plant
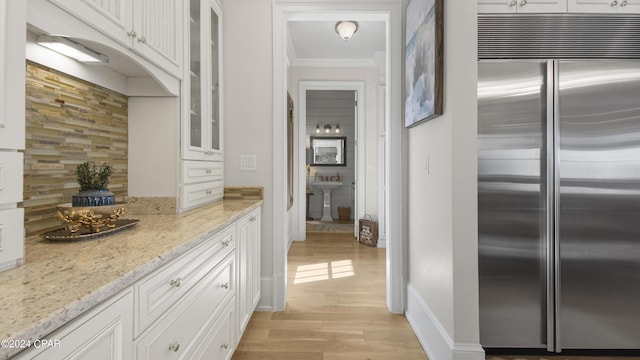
[93, 185]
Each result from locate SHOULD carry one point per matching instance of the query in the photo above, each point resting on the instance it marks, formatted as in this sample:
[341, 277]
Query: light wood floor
[336, 308]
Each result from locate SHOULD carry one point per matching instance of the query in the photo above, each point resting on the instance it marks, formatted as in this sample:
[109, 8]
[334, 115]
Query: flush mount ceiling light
[346, 29]
[72, 49]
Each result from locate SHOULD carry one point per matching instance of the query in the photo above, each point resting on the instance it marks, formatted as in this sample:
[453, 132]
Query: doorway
[331, 109]
[391, 13]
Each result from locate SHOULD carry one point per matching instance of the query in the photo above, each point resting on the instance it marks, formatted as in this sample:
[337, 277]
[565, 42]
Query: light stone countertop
[61, 280]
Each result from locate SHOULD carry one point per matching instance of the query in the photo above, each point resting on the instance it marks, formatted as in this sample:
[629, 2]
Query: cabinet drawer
[158, 292]
[10, 177]
[11, 238]
[198, 194]
[103, 333]
[217, 343]
[201, 171]
[181, 330]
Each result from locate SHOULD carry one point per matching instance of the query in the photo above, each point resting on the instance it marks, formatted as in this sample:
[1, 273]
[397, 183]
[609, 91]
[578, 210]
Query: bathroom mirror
[329, 151]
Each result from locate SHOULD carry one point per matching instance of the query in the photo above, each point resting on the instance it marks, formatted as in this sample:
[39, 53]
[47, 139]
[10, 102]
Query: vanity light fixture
[327, 128]
[318, 128]
[346, 29]
[72, 49]
[337, 128]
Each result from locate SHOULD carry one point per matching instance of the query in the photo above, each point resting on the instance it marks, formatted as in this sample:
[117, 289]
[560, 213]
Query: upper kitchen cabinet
[202, 107]
[13, 16]
[152, 28]
[522, 6]
[12, 43]
[605, 6]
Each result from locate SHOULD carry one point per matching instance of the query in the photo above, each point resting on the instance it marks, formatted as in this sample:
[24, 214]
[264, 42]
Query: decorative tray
[86, 234]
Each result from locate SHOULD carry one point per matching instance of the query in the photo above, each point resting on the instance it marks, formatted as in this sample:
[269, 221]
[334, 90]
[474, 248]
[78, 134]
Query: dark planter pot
[93, 198]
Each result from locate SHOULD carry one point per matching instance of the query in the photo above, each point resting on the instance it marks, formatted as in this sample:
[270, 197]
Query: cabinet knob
[174, 346]
[624, 3]
[224, 346]
[142, 40]
[523, 2]
[209, 192]
[226, 242]
[225, 286]
[252, 219]
[512, 3]
[176, 282]
[614, 3]
[132, 34]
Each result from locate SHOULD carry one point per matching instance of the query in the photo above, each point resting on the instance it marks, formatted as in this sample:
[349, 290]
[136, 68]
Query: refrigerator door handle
[551, 90]
[555, 210]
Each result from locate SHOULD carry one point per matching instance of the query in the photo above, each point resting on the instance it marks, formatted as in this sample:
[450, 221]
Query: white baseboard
[433, 337]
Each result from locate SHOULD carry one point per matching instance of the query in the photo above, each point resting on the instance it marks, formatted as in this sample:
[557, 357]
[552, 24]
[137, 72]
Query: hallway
[335, 310]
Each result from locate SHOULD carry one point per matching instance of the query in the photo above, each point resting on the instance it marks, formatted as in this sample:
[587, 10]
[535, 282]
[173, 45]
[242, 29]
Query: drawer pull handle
[226, 243]
[174, 346]
[614, 3]
[225, 346]
[225, 286]
[208, 171]
[176, 282]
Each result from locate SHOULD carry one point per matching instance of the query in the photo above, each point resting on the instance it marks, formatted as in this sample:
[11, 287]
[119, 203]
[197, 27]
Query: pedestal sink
[326, 187]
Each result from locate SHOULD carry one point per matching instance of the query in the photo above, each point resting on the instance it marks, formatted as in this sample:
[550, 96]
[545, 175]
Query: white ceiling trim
[334, 63]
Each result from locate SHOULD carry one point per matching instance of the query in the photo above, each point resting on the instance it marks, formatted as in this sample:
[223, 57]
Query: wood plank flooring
[336, 308]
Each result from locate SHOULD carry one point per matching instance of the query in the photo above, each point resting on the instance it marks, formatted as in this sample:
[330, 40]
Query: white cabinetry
[13, 17]
[186, 309]
[522, 6]
[152, 28]
[202, 178]
[248, 268]
[103, 333]
[559, 6]
[604, 6]
[202, 110]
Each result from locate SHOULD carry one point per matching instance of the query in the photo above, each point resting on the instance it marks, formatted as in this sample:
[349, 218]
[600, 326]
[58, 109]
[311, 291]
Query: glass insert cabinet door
[215, 81]
[204, 89]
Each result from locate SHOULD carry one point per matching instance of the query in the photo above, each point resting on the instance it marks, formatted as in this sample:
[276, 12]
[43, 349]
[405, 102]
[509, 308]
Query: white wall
[370, 76]
[442, 250]
[248, 127]
[153, 146]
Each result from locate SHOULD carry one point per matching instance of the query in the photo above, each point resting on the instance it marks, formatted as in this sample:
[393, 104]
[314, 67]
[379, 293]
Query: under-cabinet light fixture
[346, 29]
[72, 49]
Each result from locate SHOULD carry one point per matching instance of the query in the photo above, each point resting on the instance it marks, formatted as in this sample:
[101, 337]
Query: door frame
[360, 143]
[391, 12]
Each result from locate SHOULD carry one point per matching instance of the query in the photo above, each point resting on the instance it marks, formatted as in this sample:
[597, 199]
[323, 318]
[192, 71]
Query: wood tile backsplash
[68, 121]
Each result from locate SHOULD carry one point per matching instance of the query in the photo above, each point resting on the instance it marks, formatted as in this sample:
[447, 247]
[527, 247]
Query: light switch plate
[248, 162]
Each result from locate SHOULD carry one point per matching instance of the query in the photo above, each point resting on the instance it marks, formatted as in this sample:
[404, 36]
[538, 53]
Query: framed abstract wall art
[423, 61]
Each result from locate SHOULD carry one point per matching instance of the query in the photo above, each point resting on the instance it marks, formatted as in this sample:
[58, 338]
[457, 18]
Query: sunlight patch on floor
[324, 271]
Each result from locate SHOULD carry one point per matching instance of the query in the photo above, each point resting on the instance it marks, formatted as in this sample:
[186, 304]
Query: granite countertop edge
[60, 317]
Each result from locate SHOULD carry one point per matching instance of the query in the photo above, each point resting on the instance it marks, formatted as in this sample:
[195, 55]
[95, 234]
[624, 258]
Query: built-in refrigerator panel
[598, 170]
[512, 203]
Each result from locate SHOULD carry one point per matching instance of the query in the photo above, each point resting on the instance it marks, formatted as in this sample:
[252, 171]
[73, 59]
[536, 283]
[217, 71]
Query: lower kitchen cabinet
[103, 333]
[186, 309]
[180, 331]
[248, 249]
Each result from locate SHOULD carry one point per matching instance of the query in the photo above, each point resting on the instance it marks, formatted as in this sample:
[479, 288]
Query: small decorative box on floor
[368, 231]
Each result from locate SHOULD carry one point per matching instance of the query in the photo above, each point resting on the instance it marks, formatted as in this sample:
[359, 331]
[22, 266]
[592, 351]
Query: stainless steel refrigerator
[559, 204]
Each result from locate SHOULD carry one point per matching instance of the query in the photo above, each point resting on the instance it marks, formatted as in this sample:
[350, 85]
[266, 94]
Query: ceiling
[312, 42]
